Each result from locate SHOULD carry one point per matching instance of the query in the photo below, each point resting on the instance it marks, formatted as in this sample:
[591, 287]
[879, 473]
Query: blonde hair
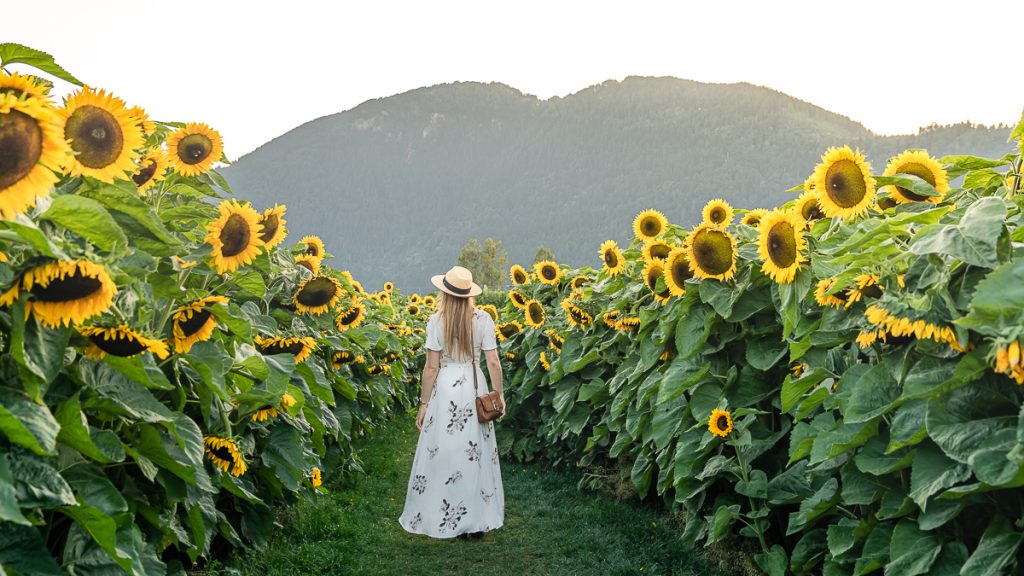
[456, 317]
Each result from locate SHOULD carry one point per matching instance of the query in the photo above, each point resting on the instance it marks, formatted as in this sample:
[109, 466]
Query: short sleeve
[489, 340]
[433, 337]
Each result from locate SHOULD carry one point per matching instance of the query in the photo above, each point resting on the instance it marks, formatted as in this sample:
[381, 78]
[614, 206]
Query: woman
[455, 484]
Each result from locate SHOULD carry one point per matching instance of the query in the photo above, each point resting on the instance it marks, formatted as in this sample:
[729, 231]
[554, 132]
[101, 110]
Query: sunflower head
[19, 85]
[300, 347]
[1009, 359]
[194, 322]
[655, 270]
[317, 295]
[824, 299]
[412, 309]
[340, 357]
[711, 252]
[555, 340]
[917, 163]
[234, 236]
[628, 324]
[67, 292]
[577, 282]
[152, 169]
[781, 244]
[507, 330]
[548, 272]
[656, 250]
[316, 478]
[649, 224]
[121, 341]
[720, 422]
[808, 207]
[491, 311]
[753, 217]
[843, 183]
[103, 134]
[273, 230]
[518, 274]
[429, 301]
[611, 258]
[350, 317]
[389, 286]
[309, 263]
[32, 148]
[717, 212]
[677, 271]
[577, 317]
[543, 361]
[517, 299]
[312, 246]
[533, 314]
[610, 317]
[224, 454]
[194, 148]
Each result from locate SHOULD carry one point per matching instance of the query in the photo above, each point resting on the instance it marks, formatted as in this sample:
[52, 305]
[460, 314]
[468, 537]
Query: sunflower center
[722, 423]
[680, 271]
[120, 345]
[717, 215]
[713, 252]
[548, 272]
[234, 236]
[95, 136]
[194, 148]
[810, 211]
[520, 277]
[349, 316]
[281, 347]
[651, 226]
[922, 172]
[145, 174]
[782, 244]
[195, 323]
[535, 312]
[317, 292]
[74, 286]
[223, 453]
[872, 291]
[844, 183]
[652, 278]
[611, 260]
[21, 145]
[312, 250]
[270, 225]
[660, 251]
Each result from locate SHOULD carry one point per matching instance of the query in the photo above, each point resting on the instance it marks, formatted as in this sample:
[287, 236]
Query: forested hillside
[397, 185]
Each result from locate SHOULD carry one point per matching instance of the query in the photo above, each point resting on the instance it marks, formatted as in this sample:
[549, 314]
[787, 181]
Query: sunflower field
[833, 385]
[170, 368]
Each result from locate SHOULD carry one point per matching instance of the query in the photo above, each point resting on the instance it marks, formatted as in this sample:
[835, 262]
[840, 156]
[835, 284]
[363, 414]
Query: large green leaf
[12, 53]
[101, 528]
[998, 547]
[38, 351]
[118, 395]
[27, 423]
[998, 300]
[38, 484]
[933, 472]
[87, 218]
[972, 240]
[75, 432]
[912, 551]
[22, 550]
[126, 200]
[9, 509]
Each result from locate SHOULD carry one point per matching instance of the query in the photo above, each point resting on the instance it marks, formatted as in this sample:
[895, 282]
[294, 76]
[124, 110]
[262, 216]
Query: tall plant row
[173, 364]
[835, 381]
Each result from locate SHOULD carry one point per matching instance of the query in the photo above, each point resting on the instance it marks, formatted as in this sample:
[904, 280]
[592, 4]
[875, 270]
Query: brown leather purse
[487, 405]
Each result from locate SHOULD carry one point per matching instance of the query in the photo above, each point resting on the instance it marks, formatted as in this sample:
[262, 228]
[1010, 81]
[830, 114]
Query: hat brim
[438, 282]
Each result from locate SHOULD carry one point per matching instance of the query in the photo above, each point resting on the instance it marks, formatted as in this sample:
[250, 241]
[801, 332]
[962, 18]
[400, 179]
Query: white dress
[455, 483]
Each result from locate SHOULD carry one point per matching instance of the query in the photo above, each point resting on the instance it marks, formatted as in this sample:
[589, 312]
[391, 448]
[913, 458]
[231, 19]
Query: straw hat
[458, 282]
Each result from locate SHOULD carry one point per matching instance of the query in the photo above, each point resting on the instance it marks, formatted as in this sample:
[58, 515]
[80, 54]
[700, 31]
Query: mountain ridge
[411, 177]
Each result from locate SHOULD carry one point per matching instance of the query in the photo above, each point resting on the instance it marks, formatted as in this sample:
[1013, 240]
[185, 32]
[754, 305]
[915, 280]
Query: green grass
[550, 528]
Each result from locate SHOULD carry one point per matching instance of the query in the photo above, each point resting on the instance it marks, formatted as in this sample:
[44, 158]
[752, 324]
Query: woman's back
[483, 336]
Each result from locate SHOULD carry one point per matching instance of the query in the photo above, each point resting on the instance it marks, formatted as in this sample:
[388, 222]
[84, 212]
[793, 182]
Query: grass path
[550, 528]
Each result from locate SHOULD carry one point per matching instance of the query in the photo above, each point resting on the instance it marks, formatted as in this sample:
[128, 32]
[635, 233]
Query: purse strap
[476, 356]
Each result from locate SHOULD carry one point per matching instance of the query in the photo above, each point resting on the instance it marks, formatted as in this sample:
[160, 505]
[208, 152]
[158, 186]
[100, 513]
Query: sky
[254, 70]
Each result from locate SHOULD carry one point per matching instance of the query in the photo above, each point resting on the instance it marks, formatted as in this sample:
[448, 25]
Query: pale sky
[255, 69]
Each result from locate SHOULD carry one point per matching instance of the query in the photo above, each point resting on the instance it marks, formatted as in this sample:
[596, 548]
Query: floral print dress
[455, 483]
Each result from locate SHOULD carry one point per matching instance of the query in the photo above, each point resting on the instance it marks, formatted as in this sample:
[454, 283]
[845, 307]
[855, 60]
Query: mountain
[397, 185]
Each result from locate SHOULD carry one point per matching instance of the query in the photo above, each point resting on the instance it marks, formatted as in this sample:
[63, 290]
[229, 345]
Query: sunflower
[611, 257]
[903, 326]
[711, 252]
[103, 135]
[511, 357]
[389, 287]
[577, 316]
[309, 263]
[507, 330]
[315, 478]
[142, 119]
[649, 224]
[544, 363]
[843, 183]
[577, 282]
[412, 309]
[152, 169]
[120, 341]
[824, 299]
[519, 275]
[610, 318]
[378, 369]
[517, 299]
[384, 297]
[340, 357]
[313, 246]
[781, 244]
[301, 347]
[867, 285]
[720, 422]
[317, 295]
[809, 207]
[548, 272]
[273, 230]
[666, 356]
[490, 309]
[533, 314]
[66, 292]
[350, 317]
[32, 150]
[656, 250]
[628, 323]
[19, 85]
[920, 164]
[194, 322]
[753, 218]
[414, 298]
[235, 236]
[555, 340]
[429, 301]
[656, 269]
[718, 213]
[866, 339]
[1010, 361]
[194, 148]
[677, 271]
[224, 454]
[268, 411]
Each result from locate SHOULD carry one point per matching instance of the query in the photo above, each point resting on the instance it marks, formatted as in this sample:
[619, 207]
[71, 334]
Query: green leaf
[764, 353]
[950, 560]
[843, 535]
[127, 202]
[875, 553]
[756, 486]
[118, 395]
[29, 424]
[998, 547]
[814, 507]
[933, 472]
[911, 182]
[93, 487]
[101, 528]
[9, 509]
[11, 53]
[874, 394]
[28, 232]
[681, 375]
[973, 240]
[774, 562]
[74, 431]
[283, 455]
[38, 484]
[38, 351]
[22, 549]
[998, 300]
[87, 218]
[250, 282]
[693, 330]
[911, 550]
